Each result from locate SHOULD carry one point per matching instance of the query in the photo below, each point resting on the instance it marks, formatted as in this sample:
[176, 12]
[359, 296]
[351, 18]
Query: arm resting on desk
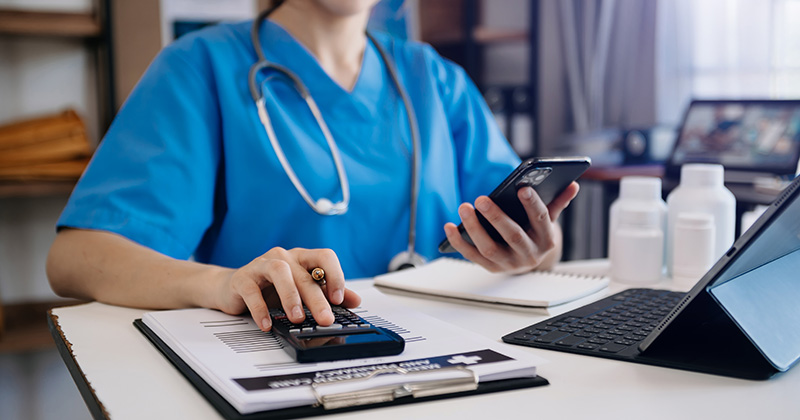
[110, 268]
[103, 266]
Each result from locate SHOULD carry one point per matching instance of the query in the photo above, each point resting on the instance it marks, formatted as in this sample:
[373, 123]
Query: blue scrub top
[187, 169]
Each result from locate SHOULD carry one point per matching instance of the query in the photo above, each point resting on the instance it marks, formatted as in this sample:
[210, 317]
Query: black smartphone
[548, 176]
[349, 337]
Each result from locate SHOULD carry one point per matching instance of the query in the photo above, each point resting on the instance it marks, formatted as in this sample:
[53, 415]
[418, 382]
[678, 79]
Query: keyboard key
[612, 348]
[551, 336]
[526, 337]
[570, 341]
[608, 326]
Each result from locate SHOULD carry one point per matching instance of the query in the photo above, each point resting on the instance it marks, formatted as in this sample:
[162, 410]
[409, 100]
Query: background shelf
[59, 24]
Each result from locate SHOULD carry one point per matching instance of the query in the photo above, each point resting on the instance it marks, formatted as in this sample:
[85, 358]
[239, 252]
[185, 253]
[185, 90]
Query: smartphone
[549, 177]
[349, 337]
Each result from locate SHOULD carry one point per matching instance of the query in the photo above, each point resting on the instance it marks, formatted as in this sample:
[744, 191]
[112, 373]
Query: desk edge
[96, 408]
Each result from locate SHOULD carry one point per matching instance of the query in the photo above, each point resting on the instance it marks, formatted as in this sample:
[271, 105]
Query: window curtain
[597, 67]
[725, 49]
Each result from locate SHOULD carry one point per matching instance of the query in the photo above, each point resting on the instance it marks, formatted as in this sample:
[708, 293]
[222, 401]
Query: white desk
[128, 378]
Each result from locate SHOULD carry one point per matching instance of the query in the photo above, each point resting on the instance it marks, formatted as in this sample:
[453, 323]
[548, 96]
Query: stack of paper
[251, 371]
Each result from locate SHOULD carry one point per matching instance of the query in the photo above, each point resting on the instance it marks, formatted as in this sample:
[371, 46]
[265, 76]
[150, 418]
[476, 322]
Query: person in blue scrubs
[185, 202]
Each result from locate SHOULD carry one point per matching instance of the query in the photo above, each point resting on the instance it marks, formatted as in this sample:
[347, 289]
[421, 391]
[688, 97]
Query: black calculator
[349, 337]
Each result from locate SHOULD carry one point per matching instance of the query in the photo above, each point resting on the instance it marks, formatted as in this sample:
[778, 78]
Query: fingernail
[266, 324]
[482, 205]
[526, 193]
[297, 312]
[327, 313]
[338, 296]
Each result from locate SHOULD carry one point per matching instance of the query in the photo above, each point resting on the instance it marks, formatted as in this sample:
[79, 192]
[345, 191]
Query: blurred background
[611, 79]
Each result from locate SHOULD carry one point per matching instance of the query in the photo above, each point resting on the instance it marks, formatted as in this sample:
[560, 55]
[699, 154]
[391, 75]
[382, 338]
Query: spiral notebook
[463, 280]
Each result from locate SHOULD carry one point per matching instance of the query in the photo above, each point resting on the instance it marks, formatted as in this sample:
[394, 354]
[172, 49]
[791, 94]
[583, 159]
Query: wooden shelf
[36, 188]
[615, 173]
[25, 326]
[484, 35]
[481, 35]
[59, 24]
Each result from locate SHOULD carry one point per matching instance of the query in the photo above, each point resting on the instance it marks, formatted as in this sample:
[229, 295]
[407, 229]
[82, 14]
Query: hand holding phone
[548, 177]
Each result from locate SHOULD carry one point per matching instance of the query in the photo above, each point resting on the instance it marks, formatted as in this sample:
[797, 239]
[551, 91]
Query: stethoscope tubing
[325, 206]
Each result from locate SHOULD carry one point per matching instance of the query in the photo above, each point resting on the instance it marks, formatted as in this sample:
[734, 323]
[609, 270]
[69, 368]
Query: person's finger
[314, 292]
[488, 247]
[278, 272]
[254, 300]
[351, 299]
[539, 216]
[467, 250]
[329, 262]
[299, 280]
[515, 236]
[562, 201]
[482, 242]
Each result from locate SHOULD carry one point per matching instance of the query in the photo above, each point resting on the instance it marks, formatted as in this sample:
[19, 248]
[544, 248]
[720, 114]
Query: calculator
[349, 337]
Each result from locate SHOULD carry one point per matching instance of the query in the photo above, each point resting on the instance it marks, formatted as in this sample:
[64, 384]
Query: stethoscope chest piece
[406, 259]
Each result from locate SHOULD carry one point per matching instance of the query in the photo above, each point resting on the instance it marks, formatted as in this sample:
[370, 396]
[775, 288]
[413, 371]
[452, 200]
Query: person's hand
[538, 247]
[281, 277]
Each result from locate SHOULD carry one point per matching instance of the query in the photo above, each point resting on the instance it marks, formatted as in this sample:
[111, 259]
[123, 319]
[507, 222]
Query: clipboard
[341, 403]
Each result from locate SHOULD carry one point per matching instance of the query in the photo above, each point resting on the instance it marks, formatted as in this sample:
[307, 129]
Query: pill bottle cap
[702, 175]
[640, 187]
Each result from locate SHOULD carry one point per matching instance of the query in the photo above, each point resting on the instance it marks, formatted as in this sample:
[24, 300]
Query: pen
[318, 274]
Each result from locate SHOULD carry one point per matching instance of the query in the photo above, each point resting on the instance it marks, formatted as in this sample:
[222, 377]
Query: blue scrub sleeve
[153, 177]
[484, 156]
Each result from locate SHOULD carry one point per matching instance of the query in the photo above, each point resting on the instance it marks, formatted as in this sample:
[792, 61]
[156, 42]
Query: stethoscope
[324, 206]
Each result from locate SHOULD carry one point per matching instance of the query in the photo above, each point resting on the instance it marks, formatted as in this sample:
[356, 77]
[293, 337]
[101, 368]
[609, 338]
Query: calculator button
[294, 331]
[331, 327]
[308, 329]
[364, 326]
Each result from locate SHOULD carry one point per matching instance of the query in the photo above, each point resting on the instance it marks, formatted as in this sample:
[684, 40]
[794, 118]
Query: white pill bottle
[635, 192]
[702, 190]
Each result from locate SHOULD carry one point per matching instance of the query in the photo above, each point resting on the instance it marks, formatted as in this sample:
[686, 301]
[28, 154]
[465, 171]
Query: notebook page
[453, 278]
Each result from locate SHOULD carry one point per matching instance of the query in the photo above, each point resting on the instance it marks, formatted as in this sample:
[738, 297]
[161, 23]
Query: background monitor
[758, 136]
